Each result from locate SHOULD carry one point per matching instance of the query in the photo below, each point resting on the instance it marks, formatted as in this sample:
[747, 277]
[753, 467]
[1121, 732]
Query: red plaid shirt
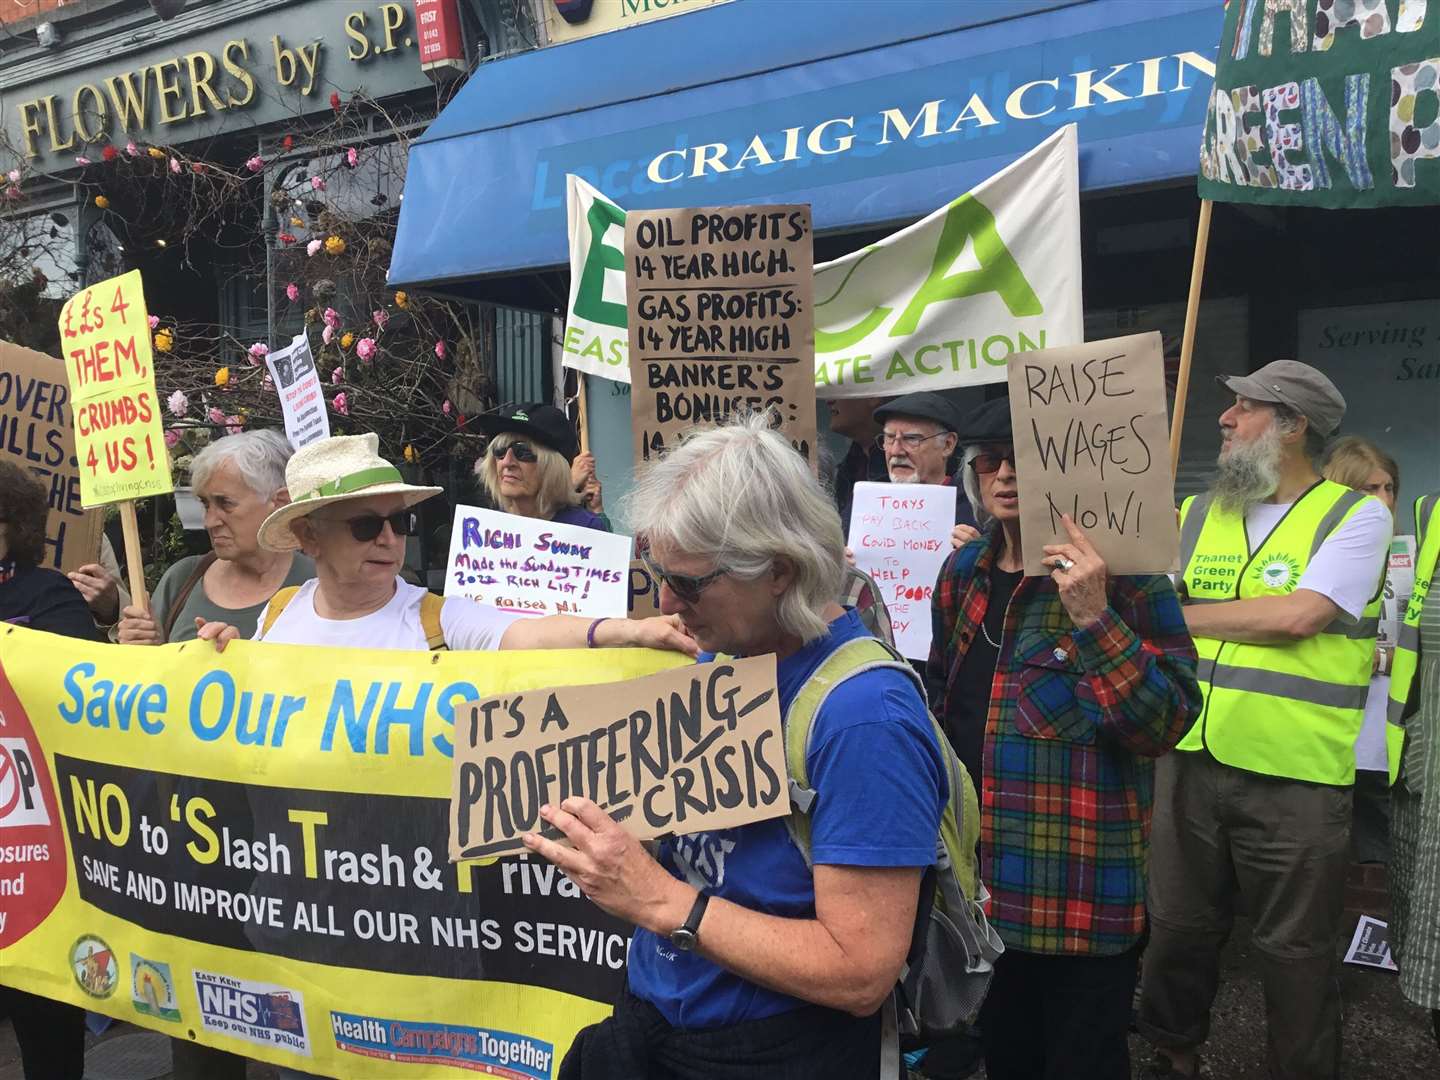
[1075, 718]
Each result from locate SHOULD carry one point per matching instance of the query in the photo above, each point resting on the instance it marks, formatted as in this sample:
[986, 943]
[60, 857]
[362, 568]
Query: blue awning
[871, 112]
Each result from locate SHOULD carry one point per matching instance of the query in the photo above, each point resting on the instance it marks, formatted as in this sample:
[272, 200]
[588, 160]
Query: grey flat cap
[1296, 385]
[924, 405]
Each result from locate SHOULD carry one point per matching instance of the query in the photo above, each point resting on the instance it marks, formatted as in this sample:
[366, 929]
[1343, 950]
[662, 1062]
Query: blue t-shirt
[881, 790]
[578, 515]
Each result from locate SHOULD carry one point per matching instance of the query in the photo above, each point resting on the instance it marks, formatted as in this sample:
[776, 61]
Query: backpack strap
[176, 605]
[430, 607]
[277, 604]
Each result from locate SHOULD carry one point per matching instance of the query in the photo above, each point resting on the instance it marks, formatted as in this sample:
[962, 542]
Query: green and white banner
[941, 303]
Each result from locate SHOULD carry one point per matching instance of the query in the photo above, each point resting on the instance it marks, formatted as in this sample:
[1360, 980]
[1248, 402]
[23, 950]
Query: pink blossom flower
[154, 321]
[381, 317]
[172, 437]
[81, 159]
[337, 376]
[255, 164]
[365, 348]
[258, 352]
[313, 247]
[317, 183]
[234, 425]
[327, 335]
[13, 176]
[292, 292]
[440, 350]
[13, 191]
[132, 149]
[174, 165]
[445, 406]
[215, 415]
[342, 404]
[178, 403]
[332, 318]
[352, 157]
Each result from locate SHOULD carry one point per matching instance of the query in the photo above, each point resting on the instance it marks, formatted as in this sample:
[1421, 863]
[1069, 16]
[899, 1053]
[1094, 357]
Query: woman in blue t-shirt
[530, 468]
[747, 962]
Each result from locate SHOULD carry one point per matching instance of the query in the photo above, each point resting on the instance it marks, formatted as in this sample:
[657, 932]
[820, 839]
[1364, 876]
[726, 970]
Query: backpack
[430, 607]
[953, 951]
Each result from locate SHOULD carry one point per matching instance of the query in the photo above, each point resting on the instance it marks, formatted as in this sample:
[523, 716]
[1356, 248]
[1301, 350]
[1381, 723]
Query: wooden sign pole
[134, 559]
[1187, 339]
[580, 407]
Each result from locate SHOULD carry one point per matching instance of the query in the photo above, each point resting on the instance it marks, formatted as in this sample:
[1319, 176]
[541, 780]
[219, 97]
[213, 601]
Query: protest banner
[1090, 428]
[900, 536]
[721, 319]
[37, 433]
[301, 400]
[644, 591]
[684, 751]
[248, 849]
[1324, 103]
[942, 303]
[537, 567]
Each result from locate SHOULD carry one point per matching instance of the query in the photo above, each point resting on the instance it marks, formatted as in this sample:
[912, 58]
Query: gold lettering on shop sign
[394, 18]
[102, 113]
[201, 82]
[355, 30]
[166, 90]
[238, 73]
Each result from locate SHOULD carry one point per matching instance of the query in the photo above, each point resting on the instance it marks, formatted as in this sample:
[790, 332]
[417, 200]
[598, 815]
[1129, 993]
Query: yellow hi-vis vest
[1291, 710]
[1407, 650]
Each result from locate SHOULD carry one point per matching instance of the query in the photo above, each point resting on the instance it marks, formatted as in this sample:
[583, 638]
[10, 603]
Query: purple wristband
[590, 634]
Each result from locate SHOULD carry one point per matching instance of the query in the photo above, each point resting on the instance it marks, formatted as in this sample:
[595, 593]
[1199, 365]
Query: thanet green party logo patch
[1282, 572]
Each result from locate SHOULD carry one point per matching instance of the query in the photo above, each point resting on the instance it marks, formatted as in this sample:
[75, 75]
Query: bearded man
[1281, 580]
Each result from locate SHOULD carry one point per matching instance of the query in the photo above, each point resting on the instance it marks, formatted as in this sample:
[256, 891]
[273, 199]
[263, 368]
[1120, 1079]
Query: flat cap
[1295, 385]
[924, 405]
[988, 423]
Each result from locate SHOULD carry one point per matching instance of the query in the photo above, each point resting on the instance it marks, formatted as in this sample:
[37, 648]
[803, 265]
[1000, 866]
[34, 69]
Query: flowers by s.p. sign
[941, 303]
[1326, 103]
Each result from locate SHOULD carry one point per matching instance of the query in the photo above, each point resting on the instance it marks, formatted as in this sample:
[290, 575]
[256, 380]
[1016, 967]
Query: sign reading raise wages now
[105, 335]
[1091, 441]
[687, 750]
[536, 566]
[721, 319]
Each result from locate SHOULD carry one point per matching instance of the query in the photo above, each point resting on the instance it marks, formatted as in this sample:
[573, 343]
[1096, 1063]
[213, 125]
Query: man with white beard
[1282, 573]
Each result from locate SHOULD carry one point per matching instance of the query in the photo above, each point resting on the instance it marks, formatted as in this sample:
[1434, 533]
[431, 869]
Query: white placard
[301, 399]
[1372, 751]
[900, 534]
[1370, 945]
[537, 567]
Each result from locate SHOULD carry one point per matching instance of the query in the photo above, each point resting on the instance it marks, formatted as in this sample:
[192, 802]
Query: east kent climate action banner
[941, 303]
[249, 850]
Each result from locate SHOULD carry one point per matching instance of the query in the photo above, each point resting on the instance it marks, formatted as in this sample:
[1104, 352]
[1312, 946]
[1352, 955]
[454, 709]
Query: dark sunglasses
[988, 461]
[687, 588]
[367, 527]
[523, 451]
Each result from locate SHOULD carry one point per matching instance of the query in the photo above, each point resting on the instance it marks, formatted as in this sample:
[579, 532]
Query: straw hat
[333, 470]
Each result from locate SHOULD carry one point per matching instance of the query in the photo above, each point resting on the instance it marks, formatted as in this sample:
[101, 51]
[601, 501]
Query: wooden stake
[580, 406]
[134, 559]
[1187, 339]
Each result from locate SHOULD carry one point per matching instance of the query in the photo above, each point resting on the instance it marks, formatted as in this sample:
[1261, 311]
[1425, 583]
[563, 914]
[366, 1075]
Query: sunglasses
[684, 586]
[366, 527]
[523, 451]
[989, 461]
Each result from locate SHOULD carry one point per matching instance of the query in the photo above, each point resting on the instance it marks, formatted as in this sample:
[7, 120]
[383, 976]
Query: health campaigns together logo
[1280, 573]
[93, 964]
[152, 990]
[494, 1053]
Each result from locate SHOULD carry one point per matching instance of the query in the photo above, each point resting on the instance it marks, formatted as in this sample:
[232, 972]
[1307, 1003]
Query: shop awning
[872, 112]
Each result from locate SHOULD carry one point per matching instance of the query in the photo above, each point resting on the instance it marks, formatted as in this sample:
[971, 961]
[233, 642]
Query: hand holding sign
[1081, 575]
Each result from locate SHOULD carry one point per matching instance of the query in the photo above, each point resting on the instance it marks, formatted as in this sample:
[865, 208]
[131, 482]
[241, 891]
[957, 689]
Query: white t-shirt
[1348, 566]
[467, 625]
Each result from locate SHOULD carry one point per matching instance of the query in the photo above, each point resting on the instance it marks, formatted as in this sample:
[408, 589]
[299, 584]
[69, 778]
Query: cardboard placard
[301, 399]
[721, 319]
[37, 432]
[119, 442]
[1091, 438]
[537, 567]
[900, 536]
[644, 591]
[695, 748]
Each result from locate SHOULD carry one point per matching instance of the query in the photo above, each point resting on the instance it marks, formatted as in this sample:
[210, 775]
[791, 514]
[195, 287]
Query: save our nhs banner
[941, 303]
[249, 850]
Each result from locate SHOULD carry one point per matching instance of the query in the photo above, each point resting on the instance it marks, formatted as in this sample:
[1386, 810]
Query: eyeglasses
[366, 527]
[523, 451]
[988, 461]
[911, 440]
[686, 587]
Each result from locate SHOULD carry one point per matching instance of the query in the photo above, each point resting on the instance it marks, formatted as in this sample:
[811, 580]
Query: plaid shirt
[1075, 718]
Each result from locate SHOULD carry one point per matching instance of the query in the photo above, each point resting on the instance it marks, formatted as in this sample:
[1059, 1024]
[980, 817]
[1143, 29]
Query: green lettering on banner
[590, 302]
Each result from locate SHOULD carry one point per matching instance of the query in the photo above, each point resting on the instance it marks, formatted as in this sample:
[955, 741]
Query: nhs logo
[260, 1013]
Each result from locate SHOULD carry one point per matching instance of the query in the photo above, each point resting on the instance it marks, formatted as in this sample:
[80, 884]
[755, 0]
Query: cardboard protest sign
[644, 591]
[119, 444]
[943, 302]
[692, 749]
[900, 536]
[298, 384]
[1324, 103]
[1091, 435]
[537, 567]
[37, 432]
[721, 319]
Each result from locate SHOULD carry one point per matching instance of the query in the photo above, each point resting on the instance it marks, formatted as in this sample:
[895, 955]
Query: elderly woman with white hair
[239, 480]
[749, 961]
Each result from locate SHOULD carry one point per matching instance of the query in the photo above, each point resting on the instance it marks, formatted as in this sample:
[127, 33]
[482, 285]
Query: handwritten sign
[37, 432]
[292, 369]
[537, 567]
[644, 591]
[119, 444]
[691, 749]
[1091, 441]
[721, 320]
[900, 536]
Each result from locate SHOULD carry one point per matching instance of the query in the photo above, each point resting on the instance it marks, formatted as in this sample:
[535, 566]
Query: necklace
[993, 643]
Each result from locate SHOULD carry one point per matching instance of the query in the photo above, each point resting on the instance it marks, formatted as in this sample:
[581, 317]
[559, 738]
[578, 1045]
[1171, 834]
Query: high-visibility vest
[1407, 650]
[1294, 709]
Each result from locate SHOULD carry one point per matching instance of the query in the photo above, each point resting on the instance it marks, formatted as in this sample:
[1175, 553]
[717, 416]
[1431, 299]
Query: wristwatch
[687, 936]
